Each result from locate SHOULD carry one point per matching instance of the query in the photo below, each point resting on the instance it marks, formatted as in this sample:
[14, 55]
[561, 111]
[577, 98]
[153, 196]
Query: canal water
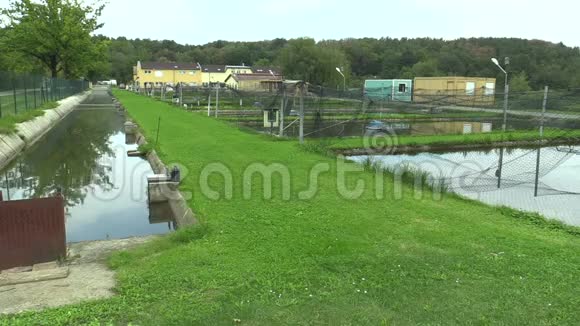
[84, 158]
[476, 175]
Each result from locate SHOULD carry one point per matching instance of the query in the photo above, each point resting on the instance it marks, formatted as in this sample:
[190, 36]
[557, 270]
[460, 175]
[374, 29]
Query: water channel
[84, 158]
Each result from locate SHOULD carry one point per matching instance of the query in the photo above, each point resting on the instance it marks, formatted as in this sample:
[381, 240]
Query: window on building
[490, 89]
[402, 88]
[192, 72]
[470, 88]
[182, 72]
[159, 74]
[147, 72]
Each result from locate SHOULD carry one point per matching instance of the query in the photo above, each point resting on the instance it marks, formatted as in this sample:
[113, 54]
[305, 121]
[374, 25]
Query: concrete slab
[18, 269]
[10, 147]
[34, 276]
[88, 279]
[45, 266]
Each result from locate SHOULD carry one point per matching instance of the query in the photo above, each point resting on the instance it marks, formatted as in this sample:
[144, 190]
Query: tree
[315, 63]
[56, 33]
[425, 69]
[519, 83]
[263, 63]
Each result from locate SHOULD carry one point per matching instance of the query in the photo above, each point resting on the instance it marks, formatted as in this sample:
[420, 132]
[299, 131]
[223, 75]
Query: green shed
[400, 90]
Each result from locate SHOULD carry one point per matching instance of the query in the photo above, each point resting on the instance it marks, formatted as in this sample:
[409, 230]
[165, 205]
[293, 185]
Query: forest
[73, 49]
[533, 63]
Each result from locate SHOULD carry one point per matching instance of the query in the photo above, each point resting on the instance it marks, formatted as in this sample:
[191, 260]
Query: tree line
[533, 63]
[38, 37]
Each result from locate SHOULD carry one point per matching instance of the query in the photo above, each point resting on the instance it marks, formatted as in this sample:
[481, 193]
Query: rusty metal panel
[31, 231]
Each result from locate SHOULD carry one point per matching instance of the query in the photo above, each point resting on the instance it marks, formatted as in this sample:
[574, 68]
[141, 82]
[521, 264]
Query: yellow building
[212, 74]
[466, 91]
[157, 74]
[254, 82]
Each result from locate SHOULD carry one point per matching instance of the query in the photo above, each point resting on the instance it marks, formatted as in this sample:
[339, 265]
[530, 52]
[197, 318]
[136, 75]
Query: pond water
[337, 128]
[84, 158]
[476, 175]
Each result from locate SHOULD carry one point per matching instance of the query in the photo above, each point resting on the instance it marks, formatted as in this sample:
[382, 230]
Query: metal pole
[544, 104]
[282, 104]
[301, 128]
[505, 102]
[25, 94]
[217, 100]
[181, 94]
[7, 185]
[14, 95]
[34, 92]
[500, 168]
[209, 104]
[504, 128]
[158, 127]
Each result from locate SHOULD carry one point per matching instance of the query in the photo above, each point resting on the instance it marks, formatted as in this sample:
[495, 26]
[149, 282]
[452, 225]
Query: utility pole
[282, 107]
[544, 104]
[180, 94]
[217, 99]
[209, 104]
[301, 128]
[505, 109]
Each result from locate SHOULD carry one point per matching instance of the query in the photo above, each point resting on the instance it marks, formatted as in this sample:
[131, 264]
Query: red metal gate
[31, 231]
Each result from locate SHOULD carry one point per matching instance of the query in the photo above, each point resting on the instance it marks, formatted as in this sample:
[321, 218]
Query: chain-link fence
[331, 113]
[22, 92]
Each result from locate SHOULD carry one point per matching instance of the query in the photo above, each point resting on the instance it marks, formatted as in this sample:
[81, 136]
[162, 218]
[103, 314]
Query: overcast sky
[199, 22]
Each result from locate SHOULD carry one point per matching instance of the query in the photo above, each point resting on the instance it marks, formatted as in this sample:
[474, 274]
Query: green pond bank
[327, 259]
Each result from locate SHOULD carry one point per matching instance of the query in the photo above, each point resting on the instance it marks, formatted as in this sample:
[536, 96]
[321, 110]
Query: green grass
[8, 123]
[327, 260]
[454, 139]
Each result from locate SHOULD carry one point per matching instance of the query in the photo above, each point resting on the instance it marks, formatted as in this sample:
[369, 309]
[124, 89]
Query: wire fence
[533, 145]
[331, 113]
[23, 92]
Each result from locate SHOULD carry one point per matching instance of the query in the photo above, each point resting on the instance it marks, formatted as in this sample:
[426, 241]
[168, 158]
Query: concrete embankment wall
[166, 191]
[29, 132]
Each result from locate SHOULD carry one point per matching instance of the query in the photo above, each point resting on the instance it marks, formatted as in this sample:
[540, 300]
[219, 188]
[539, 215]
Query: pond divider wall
[163, 191]
[453, 147]
[29, 132]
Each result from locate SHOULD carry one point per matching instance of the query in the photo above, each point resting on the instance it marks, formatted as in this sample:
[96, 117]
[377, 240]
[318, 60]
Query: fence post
[301, 130]
[544, 104]
[14, 95]
[25, 93]
[282, 108]
[34, 92]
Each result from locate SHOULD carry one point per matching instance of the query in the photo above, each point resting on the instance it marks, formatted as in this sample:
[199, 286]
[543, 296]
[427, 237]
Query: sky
[200, 22]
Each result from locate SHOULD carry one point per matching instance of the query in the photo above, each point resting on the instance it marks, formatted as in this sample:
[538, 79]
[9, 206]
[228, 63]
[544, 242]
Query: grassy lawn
[453, 139]
[327, 260]
[8, 123]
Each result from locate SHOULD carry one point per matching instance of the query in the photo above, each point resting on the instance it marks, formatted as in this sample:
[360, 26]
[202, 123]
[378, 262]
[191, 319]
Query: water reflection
[321, 126]
[84, 158]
